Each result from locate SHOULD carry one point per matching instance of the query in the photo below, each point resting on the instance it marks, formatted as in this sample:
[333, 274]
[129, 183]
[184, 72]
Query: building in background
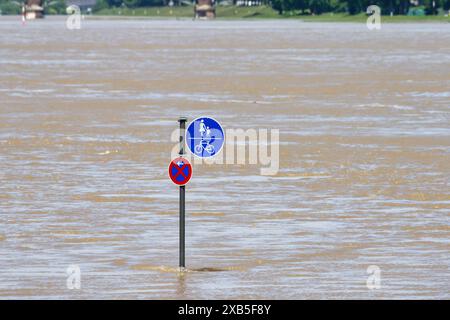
[33, 9]
[205, 9]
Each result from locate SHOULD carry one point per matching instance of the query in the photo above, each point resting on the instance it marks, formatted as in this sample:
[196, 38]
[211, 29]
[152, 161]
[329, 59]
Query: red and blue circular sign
[180, 171]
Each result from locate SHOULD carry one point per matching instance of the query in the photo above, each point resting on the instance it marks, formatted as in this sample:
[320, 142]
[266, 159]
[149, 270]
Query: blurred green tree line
[357, 6]
[313, 6]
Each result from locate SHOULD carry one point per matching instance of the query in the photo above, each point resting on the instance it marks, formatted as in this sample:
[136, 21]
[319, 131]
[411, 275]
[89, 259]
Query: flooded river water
[86, 118]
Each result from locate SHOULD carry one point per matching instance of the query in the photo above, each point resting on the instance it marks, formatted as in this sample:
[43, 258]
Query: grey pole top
[182, 121]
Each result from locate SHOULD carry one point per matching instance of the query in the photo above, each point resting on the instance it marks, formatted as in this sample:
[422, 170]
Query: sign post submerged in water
[180, 172]
[205, 138]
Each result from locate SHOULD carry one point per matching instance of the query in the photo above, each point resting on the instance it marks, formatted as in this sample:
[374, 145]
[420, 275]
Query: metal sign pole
[182, 263]
[182, 227]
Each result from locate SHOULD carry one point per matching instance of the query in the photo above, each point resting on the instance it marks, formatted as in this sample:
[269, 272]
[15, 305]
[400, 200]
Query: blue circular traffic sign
[205, 137]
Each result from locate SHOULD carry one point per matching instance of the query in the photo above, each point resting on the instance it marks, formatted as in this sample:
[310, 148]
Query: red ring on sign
[180, 171]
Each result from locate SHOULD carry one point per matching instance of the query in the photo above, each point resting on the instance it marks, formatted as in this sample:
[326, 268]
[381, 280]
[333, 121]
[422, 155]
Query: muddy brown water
[85, 123]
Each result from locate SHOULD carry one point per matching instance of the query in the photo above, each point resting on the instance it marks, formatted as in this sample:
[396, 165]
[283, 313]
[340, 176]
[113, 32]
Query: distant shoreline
[243, 14]
[254, 13]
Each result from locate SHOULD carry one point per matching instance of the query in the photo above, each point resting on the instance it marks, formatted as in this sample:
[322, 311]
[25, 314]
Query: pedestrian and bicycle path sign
[205, 137]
